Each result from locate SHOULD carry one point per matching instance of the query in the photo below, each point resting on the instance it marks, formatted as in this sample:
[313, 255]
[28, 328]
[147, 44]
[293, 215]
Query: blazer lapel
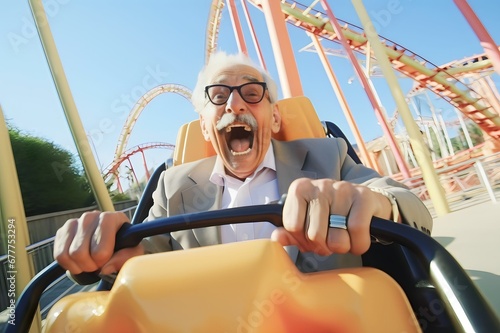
[290, 159]
[203, 196]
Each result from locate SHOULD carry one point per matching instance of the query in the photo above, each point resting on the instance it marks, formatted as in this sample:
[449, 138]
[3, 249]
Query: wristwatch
[392, 199]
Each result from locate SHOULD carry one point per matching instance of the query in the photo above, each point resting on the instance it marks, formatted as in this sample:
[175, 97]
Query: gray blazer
[187, 189]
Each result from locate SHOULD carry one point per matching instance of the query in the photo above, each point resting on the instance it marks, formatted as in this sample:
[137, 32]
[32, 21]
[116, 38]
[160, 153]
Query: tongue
[240, 145]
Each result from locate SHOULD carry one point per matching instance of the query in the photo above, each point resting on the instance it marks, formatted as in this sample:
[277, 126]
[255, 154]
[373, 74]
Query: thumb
[283, 237]
[120, 257]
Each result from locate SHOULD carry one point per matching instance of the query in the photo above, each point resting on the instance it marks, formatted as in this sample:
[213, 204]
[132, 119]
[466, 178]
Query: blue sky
[113, 50]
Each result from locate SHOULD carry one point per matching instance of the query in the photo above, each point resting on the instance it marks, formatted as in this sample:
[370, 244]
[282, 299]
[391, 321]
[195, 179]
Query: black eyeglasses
[251, 92]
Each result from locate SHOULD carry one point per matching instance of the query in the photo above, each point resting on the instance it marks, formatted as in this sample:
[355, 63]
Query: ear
[204, 129]
[276, 123]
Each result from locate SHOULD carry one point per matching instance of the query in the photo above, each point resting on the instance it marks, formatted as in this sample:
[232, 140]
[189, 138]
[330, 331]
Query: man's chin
[241, 165]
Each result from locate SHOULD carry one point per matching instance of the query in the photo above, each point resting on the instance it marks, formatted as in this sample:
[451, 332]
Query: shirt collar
[219, 175]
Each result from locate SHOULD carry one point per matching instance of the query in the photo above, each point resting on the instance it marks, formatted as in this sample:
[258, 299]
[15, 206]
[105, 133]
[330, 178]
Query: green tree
[48, 176]
[475, 132]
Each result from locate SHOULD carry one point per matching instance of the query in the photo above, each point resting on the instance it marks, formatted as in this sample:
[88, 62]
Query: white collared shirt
[261, 187]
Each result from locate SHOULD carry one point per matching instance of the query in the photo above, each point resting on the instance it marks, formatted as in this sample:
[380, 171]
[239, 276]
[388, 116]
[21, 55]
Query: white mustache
[229, 118]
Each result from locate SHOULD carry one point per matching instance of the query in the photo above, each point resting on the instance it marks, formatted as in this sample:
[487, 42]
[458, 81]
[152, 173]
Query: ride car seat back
[248, 286]
[298, 121]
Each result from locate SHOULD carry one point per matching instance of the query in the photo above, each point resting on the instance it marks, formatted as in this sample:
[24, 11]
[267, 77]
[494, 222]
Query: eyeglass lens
[251, 92]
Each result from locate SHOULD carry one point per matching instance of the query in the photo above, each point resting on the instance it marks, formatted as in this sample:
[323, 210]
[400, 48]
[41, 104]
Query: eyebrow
[249, 78]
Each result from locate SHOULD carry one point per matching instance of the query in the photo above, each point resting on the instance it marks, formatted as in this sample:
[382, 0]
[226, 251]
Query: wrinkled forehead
[233, 73]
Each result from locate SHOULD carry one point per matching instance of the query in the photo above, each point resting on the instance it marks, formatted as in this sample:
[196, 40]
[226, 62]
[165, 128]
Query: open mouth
[239, 139]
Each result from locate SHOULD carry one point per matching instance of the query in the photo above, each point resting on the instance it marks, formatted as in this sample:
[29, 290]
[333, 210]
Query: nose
[235, 103]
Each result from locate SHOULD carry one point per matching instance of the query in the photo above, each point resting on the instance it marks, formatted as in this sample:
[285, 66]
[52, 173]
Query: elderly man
[236, 104]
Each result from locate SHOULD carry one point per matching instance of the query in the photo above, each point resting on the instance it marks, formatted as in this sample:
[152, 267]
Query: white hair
[221, 60]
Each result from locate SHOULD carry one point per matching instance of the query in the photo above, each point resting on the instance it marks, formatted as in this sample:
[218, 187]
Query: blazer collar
[204, 195]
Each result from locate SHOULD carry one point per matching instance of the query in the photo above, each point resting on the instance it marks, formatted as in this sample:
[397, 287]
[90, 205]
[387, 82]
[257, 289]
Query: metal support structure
[439, 130]
[446, 134]
[464, 128]
[489, 82]
[431, 144]
[68, 104]
[253, 35]
[148, 175]
[431, 179]
[14, 226]
[238, 32]
[342, 101]
[386, 161]
[487, 91]
[371, 95]
[484, 179]
[489, 45]
[282, 49]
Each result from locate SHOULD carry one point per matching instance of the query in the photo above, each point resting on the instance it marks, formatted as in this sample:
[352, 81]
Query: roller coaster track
[112, 169]
[213, 27]
[137, 109]
[440, 80]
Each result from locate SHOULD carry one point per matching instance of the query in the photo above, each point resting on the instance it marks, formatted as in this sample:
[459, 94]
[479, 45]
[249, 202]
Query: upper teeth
[246, 128]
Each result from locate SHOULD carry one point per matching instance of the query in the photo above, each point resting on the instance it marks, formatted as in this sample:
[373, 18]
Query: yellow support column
[431, 179]
[18, 267]
[79, 136]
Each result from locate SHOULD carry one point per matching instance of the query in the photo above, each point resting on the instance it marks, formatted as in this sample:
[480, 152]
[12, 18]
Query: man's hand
[306, 216]
[86, 244]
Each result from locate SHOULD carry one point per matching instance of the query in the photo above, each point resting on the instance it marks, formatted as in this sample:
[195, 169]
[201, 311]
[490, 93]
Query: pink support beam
[371, 96]
[343, 102]
[282, 49]
[133, 172]
[252, 32]
[238, 32]
[490, 48]
[145, 164]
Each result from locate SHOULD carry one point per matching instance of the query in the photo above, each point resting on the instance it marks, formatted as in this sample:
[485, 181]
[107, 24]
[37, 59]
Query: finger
[362, 210]
[79, 250]
[317, 226]
[120, 257]
[62, 242]
[103, 240]
[285, 238]
[295, 210]
[342, 198]
[338, 241]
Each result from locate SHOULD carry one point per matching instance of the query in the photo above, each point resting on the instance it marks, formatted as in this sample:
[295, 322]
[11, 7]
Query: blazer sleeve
[412, 210]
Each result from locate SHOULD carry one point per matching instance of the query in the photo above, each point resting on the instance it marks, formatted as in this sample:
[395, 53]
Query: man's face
[239, 131]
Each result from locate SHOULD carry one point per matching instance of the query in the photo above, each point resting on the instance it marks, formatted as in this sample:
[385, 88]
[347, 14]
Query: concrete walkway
[472, 236]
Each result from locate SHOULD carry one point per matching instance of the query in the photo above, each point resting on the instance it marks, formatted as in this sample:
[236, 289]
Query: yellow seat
[298, 120]
[248, 286]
